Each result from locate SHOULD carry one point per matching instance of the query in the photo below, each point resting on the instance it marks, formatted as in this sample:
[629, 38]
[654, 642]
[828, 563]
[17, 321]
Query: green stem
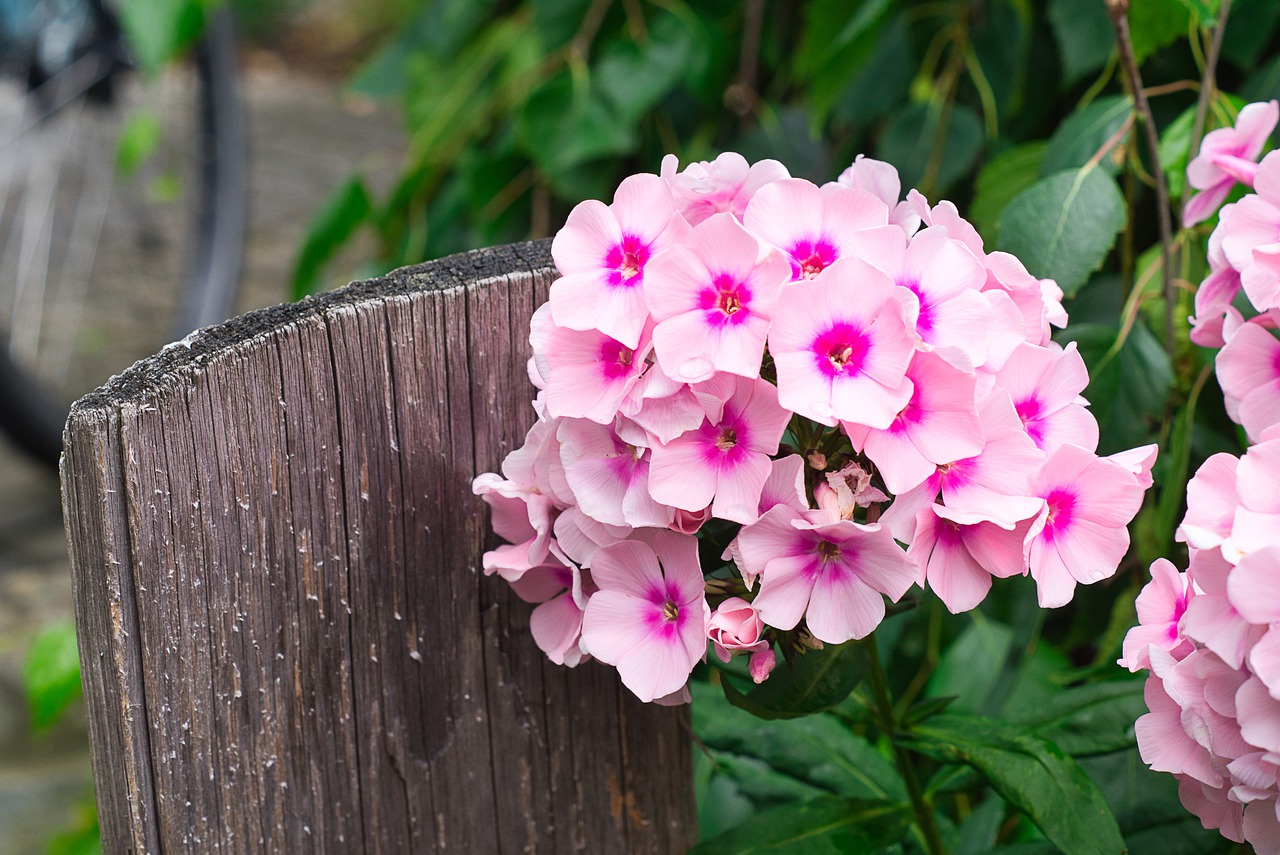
[925, 820]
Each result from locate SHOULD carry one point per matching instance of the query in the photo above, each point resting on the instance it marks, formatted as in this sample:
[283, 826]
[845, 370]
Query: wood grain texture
[287, 641]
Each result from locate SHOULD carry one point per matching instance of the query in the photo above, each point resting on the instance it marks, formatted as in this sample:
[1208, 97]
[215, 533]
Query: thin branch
[1119, 11]
[1208, 84]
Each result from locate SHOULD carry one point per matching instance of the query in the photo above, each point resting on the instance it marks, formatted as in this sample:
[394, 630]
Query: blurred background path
[305, 137]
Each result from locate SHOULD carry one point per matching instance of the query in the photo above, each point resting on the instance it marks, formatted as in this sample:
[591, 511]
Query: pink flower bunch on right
[1238, 305]
[1210, 638]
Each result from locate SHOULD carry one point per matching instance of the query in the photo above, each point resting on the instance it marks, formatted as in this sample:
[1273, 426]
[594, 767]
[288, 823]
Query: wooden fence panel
[287, 641]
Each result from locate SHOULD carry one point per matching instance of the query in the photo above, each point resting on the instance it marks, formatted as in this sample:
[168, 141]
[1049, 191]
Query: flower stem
[925, 819]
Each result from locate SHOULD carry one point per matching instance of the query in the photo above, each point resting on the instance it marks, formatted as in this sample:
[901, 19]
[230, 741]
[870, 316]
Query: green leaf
[1063, 226]
[139, 139]
[837, 40]
[826, 825]
[1084, 36]
[814, 681]
[562, 127]
[346, 209]
[1002, 178]
[971, 666]
[159, 30]
[635, 77]
[922, 148]
[1205, 12]
[1249, 32]
[977, 834]
[51, 674]
[1085, 132]
[1154, 24]
[1032, 774]
[557, 21]
[819, 750]
[1093, 719]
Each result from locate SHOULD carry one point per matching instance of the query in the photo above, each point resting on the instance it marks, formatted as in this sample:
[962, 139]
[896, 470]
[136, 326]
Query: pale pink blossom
[938, 425]
[842, 492]
[736, 627]
[609, 474]
[601, 253]
[521, 516]
[831, 573]
[1227, 156]
[811, 224]
[1138, 461]
[1160, 605]
[561, 593]
[1214, 312]
[881, 180]
[712, 298]
[841, 345]
[725, 462]
[958, 559]
[761, 664]
[588, 374]
[952, 315]
[1045, 385]
[706, 188]
[649, 617]
[1211, 503]
[1210, 618]
[1257, 519]
[1082, 533]
[1248, 370]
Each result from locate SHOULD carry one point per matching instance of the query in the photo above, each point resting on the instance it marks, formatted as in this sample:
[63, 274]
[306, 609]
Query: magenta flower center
[1275, 367]
[1028, 411]
[1061, 504]
[728, 439]
[841, 350]
[725, 300]
[670, 611]
[828, 551]
[924, 320]
[625, 261]
[615, 359]
[811, 257]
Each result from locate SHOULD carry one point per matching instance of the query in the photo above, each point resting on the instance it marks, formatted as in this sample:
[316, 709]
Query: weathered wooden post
[287, 642]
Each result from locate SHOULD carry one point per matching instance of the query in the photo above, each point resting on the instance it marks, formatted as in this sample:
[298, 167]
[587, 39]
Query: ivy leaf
[1085, 132]
[1031, 773]
[814, 681]
[51, 674]
[1063, 226]
[1002, 178]
[826, 825]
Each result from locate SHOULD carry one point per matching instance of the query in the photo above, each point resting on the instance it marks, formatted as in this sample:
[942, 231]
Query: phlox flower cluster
[765, 406]
[1238, 305]
[1210, 637]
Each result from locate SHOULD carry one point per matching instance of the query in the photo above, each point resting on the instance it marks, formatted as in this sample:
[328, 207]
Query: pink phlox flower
[1038, 301]
[561, 594]
[537, 463]
[601, 253]
[1227, 156]
[1205, 689]
[1139, 462]
[1253, 588]
[1161, 605]
[649, 617]
[706, 188]
[1251, 223]
[881, 180]
[1211, 503]
[520, 515]
[841, 345]
[811, 224]
[1082, 533]
[663, 417]
[1259, 715]
[830, 572]
[578, 536]
[712, 298]
[608, 468]
[957, 558]
[953, 315]
[784, 486]
[725, 462]
[992, 485]
[1162, 742]
[736, 627]
[842, 492]
[947, 215]
[1257, 519]
[1248, 369]
[587, 373]
[1261, 280]
[1213, 806]
[1214, 312]
[1044, 384]
[1210, 619]
[938, 425]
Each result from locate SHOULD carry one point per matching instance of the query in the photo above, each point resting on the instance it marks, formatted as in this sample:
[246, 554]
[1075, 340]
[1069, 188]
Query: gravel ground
[305, 137]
